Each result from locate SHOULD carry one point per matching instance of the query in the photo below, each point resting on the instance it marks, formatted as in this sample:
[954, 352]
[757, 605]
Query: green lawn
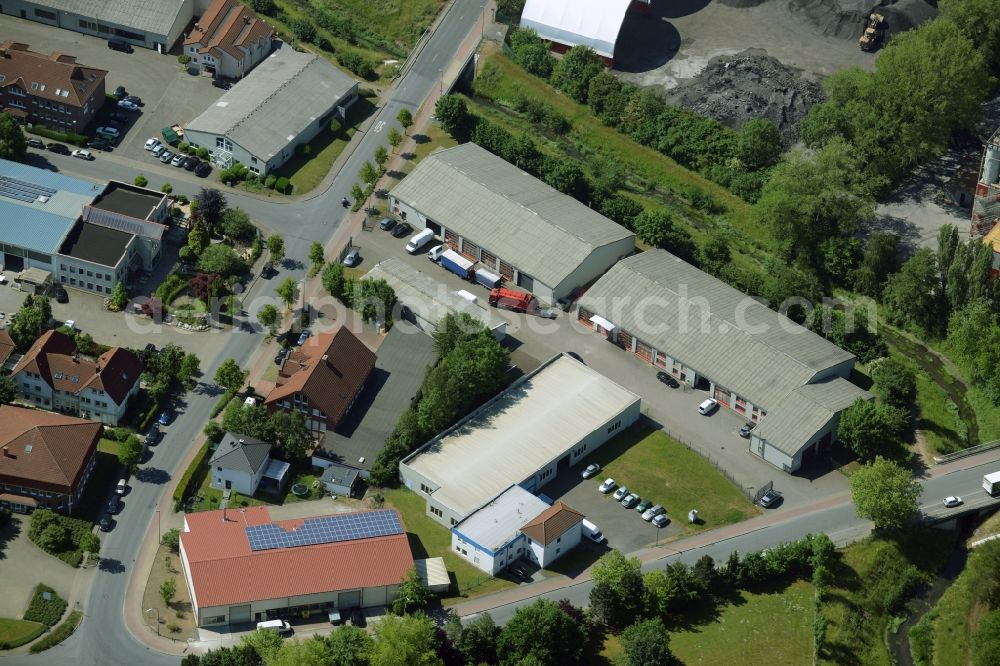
[208, 498]
[14, 633]
[663, 470]
[773, 628]
[108, 446]
[951, 624]
[429, 539]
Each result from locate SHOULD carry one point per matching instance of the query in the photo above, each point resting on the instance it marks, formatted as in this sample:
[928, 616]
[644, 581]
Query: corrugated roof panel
[797, 418]
[155, 16]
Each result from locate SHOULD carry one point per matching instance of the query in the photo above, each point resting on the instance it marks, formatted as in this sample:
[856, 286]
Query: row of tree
[374, 299]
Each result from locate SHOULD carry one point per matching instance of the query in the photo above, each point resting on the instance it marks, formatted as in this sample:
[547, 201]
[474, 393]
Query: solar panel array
[327, 529]
[22, 190]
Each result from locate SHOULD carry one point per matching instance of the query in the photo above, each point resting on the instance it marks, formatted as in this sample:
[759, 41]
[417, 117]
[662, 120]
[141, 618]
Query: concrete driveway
[32, 566]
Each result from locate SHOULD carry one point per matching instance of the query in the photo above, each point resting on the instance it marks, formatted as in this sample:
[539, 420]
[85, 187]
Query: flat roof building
[512, 223]
[754, 360]
[491, 538]
[545, 421]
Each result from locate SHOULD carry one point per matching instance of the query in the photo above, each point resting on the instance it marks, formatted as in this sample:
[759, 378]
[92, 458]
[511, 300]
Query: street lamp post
[441, 71]
[157, 611]
[158, 537]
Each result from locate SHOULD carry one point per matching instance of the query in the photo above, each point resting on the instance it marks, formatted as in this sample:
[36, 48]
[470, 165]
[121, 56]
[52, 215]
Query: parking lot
[170, 95]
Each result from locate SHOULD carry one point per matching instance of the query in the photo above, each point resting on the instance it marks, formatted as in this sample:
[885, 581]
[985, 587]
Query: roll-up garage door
[239, 614]
[349, 600]
[470, 250]
[643, 351]
[722, 395]
[451, 239]
[624, 341]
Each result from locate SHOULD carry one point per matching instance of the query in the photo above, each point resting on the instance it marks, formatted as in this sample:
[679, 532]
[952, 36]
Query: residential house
[54, 90]
[322, 378]
[228, 40]
[7, 347]
[54, 376]
[553, 533]
[244, 464]
[46, 459]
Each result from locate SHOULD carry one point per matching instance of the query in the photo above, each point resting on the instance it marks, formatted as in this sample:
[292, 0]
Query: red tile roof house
[46, 459]
[240, 568]
[52, 375]
[7, 347]
[322, 378]
[228, 40]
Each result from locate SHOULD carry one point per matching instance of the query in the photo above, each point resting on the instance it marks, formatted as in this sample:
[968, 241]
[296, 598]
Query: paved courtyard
[32, 566]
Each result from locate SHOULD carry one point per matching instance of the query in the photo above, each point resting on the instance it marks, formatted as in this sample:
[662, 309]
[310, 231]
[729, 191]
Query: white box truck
[991, 483]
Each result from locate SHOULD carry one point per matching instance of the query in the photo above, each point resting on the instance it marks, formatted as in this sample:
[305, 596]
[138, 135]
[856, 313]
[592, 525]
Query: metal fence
[965, 453]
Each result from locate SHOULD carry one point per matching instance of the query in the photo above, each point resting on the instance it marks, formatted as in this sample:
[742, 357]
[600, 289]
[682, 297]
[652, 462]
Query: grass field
[665, 471]
[108, 446]
[951, 625]
[429, 539]
[934, 419]
[14, 633]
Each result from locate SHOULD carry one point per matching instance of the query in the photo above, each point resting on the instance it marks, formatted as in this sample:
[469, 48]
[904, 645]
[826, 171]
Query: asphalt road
[102, 638]
[838, 519]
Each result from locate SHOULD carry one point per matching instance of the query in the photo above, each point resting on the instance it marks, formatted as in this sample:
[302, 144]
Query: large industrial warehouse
[777, 374]
[510, 222]
[591, 23]
[540, 426]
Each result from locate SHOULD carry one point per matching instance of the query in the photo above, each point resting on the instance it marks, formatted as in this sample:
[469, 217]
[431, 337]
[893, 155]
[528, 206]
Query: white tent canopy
[593, 23]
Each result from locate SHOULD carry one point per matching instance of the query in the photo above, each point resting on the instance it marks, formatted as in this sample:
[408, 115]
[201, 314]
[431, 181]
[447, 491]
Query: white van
[122, 485]
[591, 532]
[281, 626]
[436, 252]
[418, 241]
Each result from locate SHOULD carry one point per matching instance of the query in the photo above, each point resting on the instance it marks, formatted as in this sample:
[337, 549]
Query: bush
[203, 153]
[183, 146]
[184, 488]
[167, 188]
[59, 634]
[214, 432]
[140, 181]
[221, 404]
[184, 59]
[357, 63]
[65, 137]
[282, 185]
[303, 29]
[172, 539]
[270, 181]
[182, 199]
[46, 611]
[336, 126]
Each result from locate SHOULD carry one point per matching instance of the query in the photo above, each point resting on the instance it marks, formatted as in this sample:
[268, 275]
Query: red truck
[509, 299]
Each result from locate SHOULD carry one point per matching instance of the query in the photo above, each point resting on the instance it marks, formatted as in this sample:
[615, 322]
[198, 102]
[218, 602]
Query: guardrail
[965, 453]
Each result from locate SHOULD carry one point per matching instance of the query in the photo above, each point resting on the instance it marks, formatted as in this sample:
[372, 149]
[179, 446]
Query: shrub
[303, 29]
[172, 539]
[203, 153]
[270, 181]
[66, 137]
[182, 199]
[59, 634]
[167, 188]
[184, 488]
[336, 126]
[47, 611]
[173, 628]
[357, 63]
[282, 185]
[221, 404]
[214, 432]
[184, 59]
[183, 146]
[140, 181]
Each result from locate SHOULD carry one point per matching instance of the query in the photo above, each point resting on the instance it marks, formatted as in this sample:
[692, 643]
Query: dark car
[117, 117]
[745, 430]
[36, 143]
[387, 224]
[120, 92]
[100, 144]
[153, 436]
[190, 163]
[203, 169]
[57, 148]
[281, 356]
[770, 499]
[519, 572]
[667, 379]
[61, 295]
[134, 99]
[221, 83]
[268, 271]
[357, 617]
[107, 522]
[114, 504]
[401, 229]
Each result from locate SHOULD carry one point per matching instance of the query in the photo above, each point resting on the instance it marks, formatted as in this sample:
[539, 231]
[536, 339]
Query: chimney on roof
[6, 452]
[223, 513]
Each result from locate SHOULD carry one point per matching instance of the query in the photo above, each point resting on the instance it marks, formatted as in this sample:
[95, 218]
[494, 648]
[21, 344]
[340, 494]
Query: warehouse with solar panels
[241, 567]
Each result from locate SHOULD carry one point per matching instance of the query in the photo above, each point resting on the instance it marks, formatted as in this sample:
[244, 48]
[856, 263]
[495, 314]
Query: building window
[437, 512]
[41, 13]
[425, 489]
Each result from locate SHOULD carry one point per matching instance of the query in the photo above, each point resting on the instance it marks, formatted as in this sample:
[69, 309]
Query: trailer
[991, 483]
[457, 264]
[508, 299]
[488, 279]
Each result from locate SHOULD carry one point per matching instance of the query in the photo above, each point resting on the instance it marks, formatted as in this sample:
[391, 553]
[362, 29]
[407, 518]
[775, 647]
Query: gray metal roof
[497, 523]
[340, 475]
[723, 334]
[240, 454]
[796, 419]
[32, 223]
[426, 296]
[269, 108]
[155, 16]
[508, 212]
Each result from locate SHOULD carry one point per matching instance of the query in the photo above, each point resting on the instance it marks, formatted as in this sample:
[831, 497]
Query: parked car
[357, 617]
[591, 470]
[118, 117]
[190, 163]
[660, 520]
[630, 500]
[164, 418]
[151, 143]
[745, 430]
[643, 505]
[401, 229]
[303, 336]
[352, 258]
[100, 144]
[83, 154]
[57, 148]
[107, 130]
[770, 499]
[268, 270]
[667, 379]
[387, 224]
[135, 99]
[158, 150]
[281, 356]
[220, 83]
[621, 493]
[153, 436]
[166, 156]
[434, 254]
[952, 501]
[653, 512]
[36, 143]
[203, 169]
[708, 406]
[107, 522]
[518, 571]
[61, 295]
[607, 486]
[178, 160]
[120, 92]
[114, 505]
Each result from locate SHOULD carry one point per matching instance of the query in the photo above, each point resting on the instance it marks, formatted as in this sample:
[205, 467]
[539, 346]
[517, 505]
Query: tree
[203, 285]
[759, 143]
[222, 260]
[405, 119]
[453, 329]
[657, 228]
[303, 29]
[511, 9]
[265, 7]
[911, 296]
[172, 538]
[617, 594]
[574, 71]
[90, 543]
[268, 316]
[264, 642]
[413, 596]
[531, 52]
[453, 114]
[316, 254]
[167, 591]
[395, 138]
[230, 376]
[410, 640]
[276, 248]
[478, 640]
[189, 370]
[671, 591]
[236, 224]
[895, 382]
[119, 299]
[333, 279]
[8, 389]
[375, 300]
[53, 538]
[210, 203]
[870, 429]
[369, 174]
[381, 156]
[290, 434]
[130, 452]
[13, 145]
[646, 644]
[877, 263]
[288, 291]
[27, 323]
[979, 22]
[140, 181]
[542, 632]
[884, 493]
[198, 238]
[349, 646]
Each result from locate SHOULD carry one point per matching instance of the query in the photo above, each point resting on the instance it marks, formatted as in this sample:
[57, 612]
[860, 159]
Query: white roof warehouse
[757, 362]
[561, 412]
[509, 221]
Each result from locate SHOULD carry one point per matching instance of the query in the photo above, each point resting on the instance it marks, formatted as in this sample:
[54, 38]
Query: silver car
[631, 500]
[661, 520]
[352, 258]
[652, 512]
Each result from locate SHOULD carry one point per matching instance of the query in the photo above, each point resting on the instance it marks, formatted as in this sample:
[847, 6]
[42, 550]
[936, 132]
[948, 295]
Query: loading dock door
[349, 600]
[239, 614]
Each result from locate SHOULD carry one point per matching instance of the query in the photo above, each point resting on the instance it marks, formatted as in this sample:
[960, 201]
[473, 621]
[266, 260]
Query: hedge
[48, 612]
[42, 130]
[221, 404]
[59, 634]
[183, 490]
[282, 185]
[147, 420]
